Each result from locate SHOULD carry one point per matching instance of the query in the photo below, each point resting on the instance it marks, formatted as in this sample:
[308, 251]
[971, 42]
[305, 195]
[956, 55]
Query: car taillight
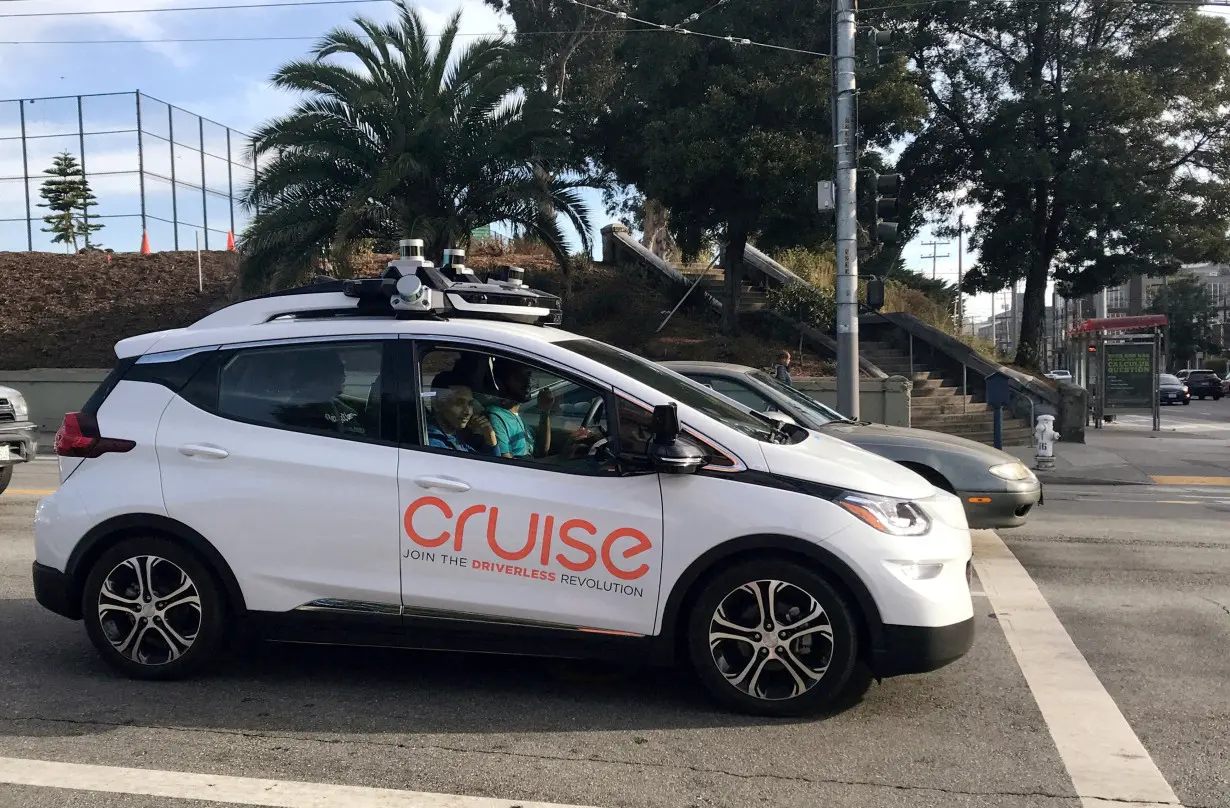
[79, 436]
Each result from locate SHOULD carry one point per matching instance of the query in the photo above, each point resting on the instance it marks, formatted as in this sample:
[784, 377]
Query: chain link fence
[154, 168]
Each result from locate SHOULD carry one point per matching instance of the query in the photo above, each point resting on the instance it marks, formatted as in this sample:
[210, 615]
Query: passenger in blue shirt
[513, 438]
[453, 414]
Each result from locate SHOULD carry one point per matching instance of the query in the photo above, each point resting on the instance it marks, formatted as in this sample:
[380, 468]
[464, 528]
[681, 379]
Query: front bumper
[19, 438]
[53, 590]
[987, 510]
[919, 649]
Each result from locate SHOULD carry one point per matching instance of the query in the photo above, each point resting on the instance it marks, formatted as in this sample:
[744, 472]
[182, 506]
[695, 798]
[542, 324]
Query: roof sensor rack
[410, 286]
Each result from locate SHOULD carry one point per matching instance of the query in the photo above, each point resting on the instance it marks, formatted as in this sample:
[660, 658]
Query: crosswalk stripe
[233, 790]
[1106, 761]
[1165, 479]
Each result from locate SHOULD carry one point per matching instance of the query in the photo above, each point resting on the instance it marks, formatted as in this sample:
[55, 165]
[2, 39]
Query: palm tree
[410, 142]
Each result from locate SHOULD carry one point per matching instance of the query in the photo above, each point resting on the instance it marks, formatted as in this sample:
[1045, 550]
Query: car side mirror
[668, 454]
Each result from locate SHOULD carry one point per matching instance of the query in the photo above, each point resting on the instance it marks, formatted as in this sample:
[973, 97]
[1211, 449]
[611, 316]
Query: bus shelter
[1122, 359]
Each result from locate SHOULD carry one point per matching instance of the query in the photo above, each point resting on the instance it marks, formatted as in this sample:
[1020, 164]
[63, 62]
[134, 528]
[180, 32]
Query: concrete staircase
[937, 402]
[753, 298]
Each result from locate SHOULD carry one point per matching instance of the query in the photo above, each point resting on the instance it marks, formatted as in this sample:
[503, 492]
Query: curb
[1047, 479]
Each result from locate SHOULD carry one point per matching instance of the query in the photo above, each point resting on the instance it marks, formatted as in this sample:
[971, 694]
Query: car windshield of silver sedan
[814, 408]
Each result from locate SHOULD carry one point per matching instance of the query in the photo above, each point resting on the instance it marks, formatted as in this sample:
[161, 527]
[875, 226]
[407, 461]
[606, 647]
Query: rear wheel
[773, 638]
[6, 477]
[154, 610]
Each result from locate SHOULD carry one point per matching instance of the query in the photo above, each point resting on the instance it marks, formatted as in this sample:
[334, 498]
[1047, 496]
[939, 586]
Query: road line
[1102, 754]
[233, 790]
[31, 492]
[1172, 480]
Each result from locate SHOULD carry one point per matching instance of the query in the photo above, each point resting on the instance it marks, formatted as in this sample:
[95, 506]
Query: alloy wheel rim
[771, 640]
[149, 610]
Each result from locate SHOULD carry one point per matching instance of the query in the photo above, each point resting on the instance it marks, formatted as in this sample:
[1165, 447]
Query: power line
[223, 39]
[687, 32]
[1197, 4]
[282, 4]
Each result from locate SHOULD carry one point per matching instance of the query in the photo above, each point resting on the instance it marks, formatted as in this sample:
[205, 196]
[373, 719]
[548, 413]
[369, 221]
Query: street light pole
[960, 273]
[845, 203]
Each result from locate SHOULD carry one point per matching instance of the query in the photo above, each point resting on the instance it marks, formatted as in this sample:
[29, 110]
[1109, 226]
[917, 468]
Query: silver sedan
[997, 490]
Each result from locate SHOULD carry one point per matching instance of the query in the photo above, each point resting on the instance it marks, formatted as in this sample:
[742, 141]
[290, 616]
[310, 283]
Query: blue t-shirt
[511, 436]
[440, 439]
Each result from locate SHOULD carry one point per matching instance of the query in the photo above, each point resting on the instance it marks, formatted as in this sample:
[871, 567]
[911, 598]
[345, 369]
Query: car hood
[882, 436]
[827, 460]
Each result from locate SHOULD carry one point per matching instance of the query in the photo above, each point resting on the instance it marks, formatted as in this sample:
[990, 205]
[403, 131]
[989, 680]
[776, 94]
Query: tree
[66, 193]
[731, 138]
[412, 141]
[1190, 311]
[1091, 134]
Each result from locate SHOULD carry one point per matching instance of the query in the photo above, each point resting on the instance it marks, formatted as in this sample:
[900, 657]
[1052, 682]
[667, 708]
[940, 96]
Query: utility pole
[960, 272]
[847, 223]
[934, 245]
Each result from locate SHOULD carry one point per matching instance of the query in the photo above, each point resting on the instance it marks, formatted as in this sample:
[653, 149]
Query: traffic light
[877, 42]
[875, 294]
[884, 228]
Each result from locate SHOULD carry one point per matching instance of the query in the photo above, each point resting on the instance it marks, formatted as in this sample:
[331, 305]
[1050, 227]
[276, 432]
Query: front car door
[553, 535]
[283, 457]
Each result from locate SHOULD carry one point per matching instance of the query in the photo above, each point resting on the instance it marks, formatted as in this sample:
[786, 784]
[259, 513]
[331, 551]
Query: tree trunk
[733, 265]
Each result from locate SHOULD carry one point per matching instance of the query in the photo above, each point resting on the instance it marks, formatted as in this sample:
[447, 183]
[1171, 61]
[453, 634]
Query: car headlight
[1011, 471]
[896, 517]
[20, 411]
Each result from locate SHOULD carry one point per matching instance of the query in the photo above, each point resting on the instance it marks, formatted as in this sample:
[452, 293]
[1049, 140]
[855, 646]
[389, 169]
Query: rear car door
[282, 455]
[558, 537]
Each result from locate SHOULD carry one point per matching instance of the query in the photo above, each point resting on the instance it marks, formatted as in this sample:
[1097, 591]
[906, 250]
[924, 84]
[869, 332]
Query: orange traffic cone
[145, 243]
[230, 241]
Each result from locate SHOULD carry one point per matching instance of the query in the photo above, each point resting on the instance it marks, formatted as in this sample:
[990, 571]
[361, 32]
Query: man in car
[314, 384]
[452, 415]
[514, 439]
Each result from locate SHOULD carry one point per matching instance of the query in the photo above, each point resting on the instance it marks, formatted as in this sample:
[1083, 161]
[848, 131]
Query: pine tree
[66, 193]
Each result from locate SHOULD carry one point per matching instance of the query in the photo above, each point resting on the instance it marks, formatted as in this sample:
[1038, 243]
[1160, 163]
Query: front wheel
[1188, 401]
[6, 477]
[773, 638]
[154, 610]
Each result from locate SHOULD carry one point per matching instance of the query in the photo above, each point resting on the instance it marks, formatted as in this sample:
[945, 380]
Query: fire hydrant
[1046, 436]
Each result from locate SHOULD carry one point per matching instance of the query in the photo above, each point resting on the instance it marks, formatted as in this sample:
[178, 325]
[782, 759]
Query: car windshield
[814, 408]
[1166, 378]
[671, 384]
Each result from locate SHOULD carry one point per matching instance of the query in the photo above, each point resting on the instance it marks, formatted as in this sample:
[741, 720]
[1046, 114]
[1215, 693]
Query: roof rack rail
[410, 286]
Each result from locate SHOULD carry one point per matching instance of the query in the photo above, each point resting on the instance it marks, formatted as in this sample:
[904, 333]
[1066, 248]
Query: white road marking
[233, 790]
[1106, 761]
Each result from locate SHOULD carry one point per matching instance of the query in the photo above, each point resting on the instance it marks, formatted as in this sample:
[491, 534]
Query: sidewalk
[1121, 457]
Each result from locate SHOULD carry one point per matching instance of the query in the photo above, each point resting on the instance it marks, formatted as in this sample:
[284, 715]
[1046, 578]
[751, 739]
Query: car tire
[148, 638]
[6, 477]
[756, 670]
[1186, 402]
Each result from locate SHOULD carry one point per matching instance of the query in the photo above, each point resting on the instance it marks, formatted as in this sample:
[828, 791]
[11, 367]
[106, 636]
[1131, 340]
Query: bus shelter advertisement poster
[1129, 376]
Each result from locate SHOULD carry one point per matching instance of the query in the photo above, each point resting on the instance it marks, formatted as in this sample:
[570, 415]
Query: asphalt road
[1141, 585]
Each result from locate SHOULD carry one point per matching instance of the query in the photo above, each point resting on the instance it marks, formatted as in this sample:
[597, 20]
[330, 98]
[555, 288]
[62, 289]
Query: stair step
[945, 405]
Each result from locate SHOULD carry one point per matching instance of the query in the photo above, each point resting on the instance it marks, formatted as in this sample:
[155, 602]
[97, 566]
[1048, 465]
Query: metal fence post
[174, 196]
[25, 175]
[141, 163]
[911, 356]
[964, 390]
[85, 209]
[204, 200]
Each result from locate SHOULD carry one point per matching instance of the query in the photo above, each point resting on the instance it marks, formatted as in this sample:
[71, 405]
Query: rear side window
[326, 388]
[108, 384]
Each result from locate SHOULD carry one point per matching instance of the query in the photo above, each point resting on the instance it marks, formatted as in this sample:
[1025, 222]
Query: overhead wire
[280, 4]
[679, 29]
[303, 38]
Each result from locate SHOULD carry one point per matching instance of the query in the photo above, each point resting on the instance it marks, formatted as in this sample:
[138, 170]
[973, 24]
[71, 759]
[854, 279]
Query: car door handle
[201, 450]
[442, 484]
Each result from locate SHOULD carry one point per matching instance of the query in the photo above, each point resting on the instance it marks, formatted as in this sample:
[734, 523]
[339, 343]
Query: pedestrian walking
[781, 371]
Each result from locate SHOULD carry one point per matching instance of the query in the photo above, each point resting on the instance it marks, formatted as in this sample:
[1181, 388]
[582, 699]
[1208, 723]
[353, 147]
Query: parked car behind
[1201, 383]
[996, 489]
[1172, 390]
[1060, 375]
[17, 436]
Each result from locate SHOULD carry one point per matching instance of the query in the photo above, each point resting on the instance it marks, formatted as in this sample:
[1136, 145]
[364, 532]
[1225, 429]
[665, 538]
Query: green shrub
[805, 304]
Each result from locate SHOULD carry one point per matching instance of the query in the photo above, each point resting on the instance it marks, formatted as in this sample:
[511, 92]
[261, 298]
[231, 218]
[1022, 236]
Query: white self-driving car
[420, 460]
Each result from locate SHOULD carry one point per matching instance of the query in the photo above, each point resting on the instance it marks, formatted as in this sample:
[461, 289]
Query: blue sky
[224, 82]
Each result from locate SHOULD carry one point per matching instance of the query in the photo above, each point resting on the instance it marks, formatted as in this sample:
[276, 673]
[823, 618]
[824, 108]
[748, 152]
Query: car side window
[491, 405]
[325, 388]
[739, 392]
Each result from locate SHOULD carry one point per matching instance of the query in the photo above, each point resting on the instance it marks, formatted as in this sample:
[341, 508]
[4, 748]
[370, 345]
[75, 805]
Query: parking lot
[1138, 577]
